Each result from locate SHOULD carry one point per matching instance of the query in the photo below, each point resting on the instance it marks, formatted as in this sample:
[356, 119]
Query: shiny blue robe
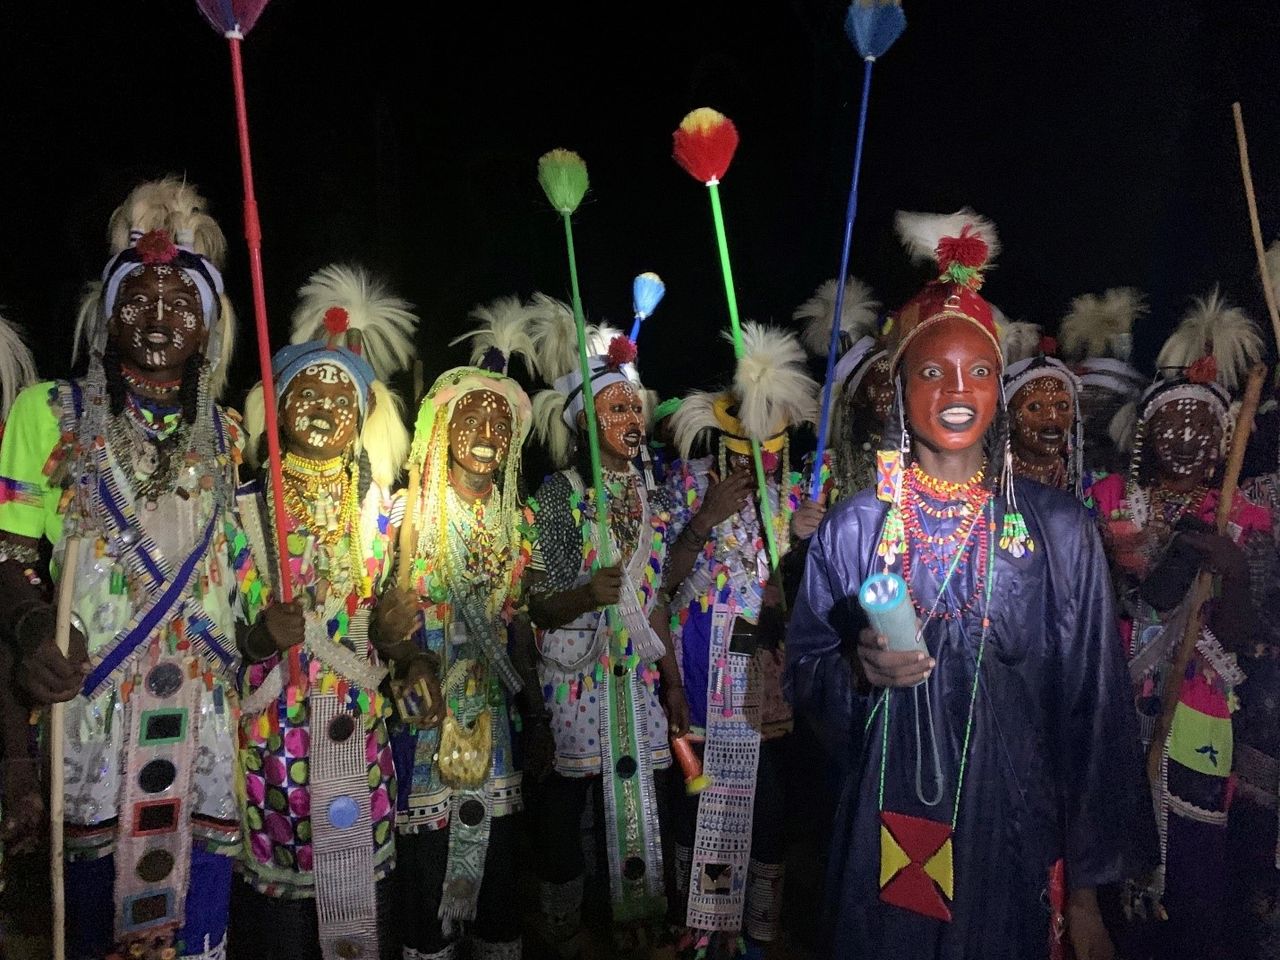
[1054, 768]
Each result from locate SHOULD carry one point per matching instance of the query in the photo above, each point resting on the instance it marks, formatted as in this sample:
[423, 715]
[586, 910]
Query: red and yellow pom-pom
[1204, 370]
[704, 144]
[336, 320]
[967, 250]
[156, 247]
[621, 350]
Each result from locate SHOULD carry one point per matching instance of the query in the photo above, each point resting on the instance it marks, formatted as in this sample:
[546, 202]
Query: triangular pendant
[916, 866]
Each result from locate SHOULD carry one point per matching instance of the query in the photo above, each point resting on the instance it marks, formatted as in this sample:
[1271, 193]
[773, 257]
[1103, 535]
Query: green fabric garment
[28, 502]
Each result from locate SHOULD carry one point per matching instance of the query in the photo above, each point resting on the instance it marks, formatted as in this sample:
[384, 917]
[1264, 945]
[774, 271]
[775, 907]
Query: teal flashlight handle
[884, 598]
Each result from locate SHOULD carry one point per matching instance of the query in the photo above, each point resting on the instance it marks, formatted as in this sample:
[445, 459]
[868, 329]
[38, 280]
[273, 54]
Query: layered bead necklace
[626, 509]
[928, 501]
[322, 501]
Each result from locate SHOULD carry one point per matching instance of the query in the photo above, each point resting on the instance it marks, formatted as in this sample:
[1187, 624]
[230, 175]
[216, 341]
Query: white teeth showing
[156, 336]
[321, 424]
[483, 452]
[957, 416]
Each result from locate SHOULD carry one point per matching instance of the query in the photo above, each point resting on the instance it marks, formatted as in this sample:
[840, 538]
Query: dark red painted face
[951, 378]
[157, 321]
[1186, 437]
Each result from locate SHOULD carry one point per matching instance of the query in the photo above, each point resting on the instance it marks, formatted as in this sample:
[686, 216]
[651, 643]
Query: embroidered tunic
[277, 729]
[424, 796]
[574, 657]
[732, 565]
[1052, 769]
[150, 752]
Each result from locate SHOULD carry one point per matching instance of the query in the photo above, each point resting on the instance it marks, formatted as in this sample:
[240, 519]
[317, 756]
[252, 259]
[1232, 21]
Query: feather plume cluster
[1019, 341]
[770, 381]
[858, 315]
[963, 237]
[1101, 326]
[505, 325]
[175, 206]
[385, 322]
[694, 420]
[555, 337]
[17, 366]
[1214, 340]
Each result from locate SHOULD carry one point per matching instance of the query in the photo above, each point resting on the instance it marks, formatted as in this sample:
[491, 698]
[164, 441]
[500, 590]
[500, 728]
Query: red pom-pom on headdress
[621, 351]
[336, 320]
[1048, 345]
[967, 250]
[1204, 370]
[156, 247]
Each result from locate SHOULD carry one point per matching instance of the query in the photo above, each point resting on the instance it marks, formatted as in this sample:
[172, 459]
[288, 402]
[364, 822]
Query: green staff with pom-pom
[563, 176]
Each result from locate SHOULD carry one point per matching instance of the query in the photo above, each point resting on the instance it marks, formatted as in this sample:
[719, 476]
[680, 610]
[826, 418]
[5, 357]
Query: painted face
[157, 323]
[1186, 437]
[876, 390]
[480, 432]
[621, 418]
[1041, 419]
[951, 378]
[319, 413]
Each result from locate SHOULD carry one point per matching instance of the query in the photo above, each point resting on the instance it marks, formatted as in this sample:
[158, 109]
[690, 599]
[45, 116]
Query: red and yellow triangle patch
[916, 866]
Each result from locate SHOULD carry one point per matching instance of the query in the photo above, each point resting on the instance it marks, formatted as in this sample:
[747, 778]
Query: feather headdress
[1101, 326]
[555, 337]
[503, 331]
[382, 322]
[859, 315]
[176, 207]
[1214, 341]
[17, 366]
[1019, 341]
[771, 393]
[922, 233]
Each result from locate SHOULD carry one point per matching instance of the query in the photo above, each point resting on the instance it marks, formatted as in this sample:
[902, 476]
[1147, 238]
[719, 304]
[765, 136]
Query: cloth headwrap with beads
[1166, 391]
[292, 360]
[155, 248]
[1032, 368]
[604, 374]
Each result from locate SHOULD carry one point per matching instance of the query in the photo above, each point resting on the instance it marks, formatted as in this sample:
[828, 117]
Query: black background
[1098, 136]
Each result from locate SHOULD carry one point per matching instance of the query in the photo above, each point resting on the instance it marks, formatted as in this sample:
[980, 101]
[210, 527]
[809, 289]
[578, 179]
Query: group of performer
[299, 722]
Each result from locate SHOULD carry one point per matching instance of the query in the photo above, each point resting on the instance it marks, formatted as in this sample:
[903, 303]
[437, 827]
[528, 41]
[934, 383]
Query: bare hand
[806, 519]
[394, 620]
[891, 668]
[677, 709]
[420, 678]
[606, 585]
[285, 624]
[47, 676]
[724, 498]
[1088, 936]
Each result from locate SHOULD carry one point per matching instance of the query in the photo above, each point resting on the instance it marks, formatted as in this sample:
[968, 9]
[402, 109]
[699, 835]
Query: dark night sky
[1098, 136]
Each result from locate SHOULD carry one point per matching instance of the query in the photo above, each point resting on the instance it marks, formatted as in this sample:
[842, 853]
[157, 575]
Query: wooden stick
[1204, 580]
[57, 724]
[1258, 248]
[407, 539]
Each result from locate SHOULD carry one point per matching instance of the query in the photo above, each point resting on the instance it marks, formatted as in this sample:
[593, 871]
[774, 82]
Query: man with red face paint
[991, 725]
[1157, 523]
[728, 623]
[611, 685]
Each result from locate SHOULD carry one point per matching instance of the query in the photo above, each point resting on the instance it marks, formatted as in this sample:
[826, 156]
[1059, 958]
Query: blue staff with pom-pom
[872, 26]
[646, 293]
